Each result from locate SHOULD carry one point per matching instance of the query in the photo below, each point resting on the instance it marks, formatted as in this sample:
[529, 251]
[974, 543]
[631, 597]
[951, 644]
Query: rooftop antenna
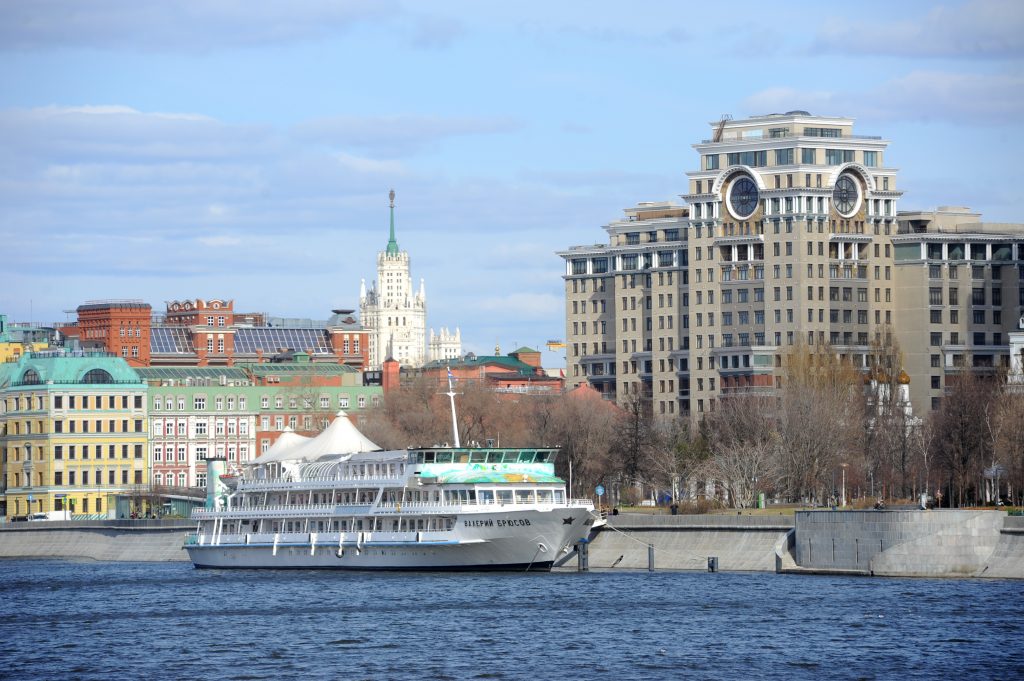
[721, 127]
[451, 396]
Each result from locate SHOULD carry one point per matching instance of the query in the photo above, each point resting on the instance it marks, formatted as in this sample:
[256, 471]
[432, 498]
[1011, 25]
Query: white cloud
[961, 98]
[980, 28]
[220, 241]
[436, 32]
[157, 25]
[363, 164]
[396, 136]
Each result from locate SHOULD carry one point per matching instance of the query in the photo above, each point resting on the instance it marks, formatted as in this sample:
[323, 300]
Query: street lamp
[842, 499]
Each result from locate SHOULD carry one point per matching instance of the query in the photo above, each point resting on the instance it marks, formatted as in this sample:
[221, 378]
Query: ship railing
[384, 508]
[257, 511]
[332, 539]
[327, 482]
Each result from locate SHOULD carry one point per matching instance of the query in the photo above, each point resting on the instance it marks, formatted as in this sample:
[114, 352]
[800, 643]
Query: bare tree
[962, 443]
[818, 419]
[745, 445]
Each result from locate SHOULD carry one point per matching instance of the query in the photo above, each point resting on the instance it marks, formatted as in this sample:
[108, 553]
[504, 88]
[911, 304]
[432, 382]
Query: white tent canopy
[339, 438]
[280, 450]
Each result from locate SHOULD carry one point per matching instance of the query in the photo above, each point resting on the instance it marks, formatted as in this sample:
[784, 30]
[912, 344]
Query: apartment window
[935, 316]
[871, 159]
[807, 157]
[935, 295]
[978, 296]
[935, 339]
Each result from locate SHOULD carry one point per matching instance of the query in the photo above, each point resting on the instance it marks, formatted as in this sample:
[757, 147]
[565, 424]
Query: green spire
[392, 244]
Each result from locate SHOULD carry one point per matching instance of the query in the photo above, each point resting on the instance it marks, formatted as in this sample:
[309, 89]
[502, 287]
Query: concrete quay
[938, 543]
[908, 543]
[102, 540]
[685, 542]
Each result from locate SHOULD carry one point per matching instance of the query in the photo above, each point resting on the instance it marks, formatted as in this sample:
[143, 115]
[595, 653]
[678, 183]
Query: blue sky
[216, 148]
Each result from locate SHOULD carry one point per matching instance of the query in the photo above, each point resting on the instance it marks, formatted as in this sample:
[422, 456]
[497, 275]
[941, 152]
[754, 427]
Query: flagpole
[451, 397]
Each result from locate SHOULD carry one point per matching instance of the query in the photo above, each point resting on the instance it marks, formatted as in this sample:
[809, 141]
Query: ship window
[542, 457]
[559, 496]
[461, 457]
[477, 457]
[524, 496]
[544, 496]
[428, 457]
[493, 457]
[526, 457]
[444, 457]
[486, 496]
[504, 496]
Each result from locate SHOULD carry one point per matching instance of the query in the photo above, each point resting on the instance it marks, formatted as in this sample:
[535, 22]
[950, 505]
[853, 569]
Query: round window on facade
[743, 197]
[846, 195]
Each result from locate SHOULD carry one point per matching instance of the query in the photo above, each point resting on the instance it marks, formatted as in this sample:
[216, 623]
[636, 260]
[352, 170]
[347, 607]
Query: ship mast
[451, 396]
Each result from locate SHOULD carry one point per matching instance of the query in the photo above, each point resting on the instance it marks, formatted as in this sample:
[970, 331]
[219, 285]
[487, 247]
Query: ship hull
[521, 540]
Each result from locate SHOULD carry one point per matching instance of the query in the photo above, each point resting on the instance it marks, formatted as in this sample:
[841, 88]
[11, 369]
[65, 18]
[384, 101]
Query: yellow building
[19, 339]
[73, 434]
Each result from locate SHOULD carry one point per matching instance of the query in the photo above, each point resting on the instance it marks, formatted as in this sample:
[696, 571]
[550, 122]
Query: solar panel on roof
[170, 340]
[273, 340]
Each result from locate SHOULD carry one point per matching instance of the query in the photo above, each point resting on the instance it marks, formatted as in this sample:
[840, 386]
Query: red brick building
[118, 326]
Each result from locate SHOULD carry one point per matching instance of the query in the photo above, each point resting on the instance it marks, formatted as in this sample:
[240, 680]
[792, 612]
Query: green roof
[503, 361]
[181, 373]
[522, 350]
[67, 367]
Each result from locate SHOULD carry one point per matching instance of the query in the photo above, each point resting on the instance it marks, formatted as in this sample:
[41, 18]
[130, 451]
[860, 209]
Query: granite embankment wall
[911, 543]
[127, 540]
[685, 542]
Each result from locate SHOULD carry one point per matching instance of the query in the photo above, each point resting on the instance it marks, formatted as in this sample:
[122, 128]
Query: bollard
[583, 555]
[712, 563]
[650, 557]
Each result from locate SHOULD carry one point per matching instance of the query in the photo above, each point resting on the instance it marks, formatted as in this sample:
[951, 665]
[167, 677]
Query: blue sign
[599, 490]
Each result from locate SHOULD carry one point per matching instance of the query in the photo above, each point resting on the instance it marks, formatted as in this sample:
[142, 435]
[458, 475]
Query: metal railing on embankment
[718, 521]
[114, 524]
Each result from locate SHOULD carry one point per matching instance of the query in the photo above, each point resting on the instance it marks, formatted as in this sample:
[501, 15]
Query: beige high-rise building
[789, 235]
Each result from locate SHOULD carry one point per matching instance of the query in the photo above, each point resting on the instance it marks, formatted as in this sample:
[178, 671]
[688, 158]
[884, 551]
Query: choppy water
[84, 620]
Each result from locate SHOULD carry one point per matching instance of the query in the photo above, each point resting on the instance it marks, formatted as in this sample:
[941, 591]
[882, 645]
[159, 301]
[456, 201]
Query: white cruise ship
[338, 501]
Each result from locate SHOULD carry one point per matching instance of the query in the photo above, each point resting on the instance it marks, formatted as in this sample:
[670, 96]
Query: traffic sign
[599, 490]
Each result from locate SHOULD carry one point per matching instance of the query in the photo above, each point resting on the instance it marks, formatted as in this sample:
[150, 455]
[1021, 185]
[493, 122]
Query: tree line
[827, 423]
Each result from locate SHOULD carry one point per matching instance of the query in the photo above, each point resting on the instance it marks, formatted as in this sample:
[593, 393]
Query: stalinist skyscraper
[394, 317]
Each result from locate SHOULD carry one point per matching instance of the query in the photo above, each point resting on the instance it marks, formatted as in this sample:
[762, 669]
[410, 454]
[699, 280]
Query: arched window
[31, 377]
[97, 376]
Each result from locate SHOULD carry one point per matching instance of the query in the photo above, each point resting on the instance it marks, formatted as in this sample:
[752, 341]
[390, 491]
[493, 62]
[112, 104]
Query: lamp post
[842, 498]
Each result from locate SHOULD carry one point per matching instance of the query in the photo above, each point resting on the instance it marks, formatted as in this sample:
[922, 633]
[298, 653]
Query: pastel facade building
[789, 236]
[238, 412]
[73, 433]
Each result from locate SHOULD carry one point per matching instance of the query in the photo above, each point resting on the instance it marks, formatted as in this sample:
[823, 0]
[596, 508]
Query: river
[87, 620]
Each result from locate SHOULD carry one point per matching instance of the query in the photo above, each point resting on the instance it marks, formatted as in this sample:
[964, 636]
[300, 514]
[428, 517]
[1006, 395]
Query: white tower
[394, 317]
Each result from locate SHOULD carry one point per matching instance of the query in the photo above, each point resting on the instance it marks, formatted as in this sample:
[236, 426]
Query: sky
[245, 149]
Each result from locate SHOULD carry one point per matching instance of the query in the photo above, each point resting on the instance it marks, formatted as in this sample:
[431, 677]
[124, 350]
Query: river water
[86, 620]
